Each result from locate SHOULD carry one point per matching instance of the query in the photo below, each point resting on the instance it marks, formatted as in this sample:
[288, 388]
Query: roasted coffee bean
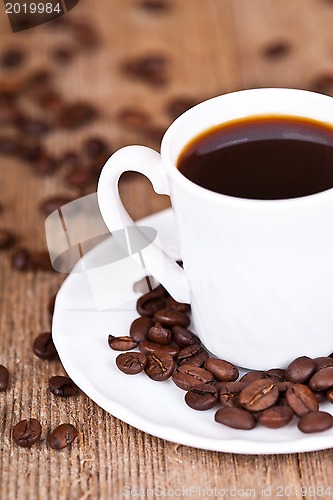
[12, 58]
[221, 369]
[276, 50]
[44, 347]
[45, 165]
[140, 327]
[178, 306]
[40, 261]
[34, 127]
[276, 374]
[62, 55]
[187, 376]
[229, 392]
[259, 395]
[7, 238]
[131, 362]
[322, 380]
[9, 146]
[54, 203]
[79, 177]
[153, 301]
[301, 399]
[283, 386]
[73, 116]
[170, 318]
[4, 378]
[133, 117]
[237, 418]
[193, 354]
[62, 436]
[62, 387]
[39, 78]
[320, 396]
[178, 106]
[50, 100]
[27, 432]
[329, 395]
[121, 343]
[276, 416]
[300, 370]
[20, 260]
[160, 335]
[94, 147]
[323, 362]
[147, 347]
[159, 366]
[8, 112]
[155, 6]
[150, 69]
[252, 376]
[201, 397]
[315, 421]
[183, 337]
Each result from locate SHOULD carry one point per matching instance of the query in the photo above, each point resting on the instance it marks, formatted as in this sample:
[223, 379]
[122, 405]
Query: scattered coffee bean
[237, 418]
[121, 343]
[170, 318]
[277, 50]
[44, 347]
[221, 369]
[12, 58]
[4, 378]
[300, 370]
[259, 395]
[153, 301]
[79, 177]
[62, 436]
[322, 379]
[7, 239]
[131, 362]
[9, 146]
[315, 421]
[183, 337]
[178, 306]
[132, 117]
[193, 354]
[94, 147]
[33, 127]
[62, 387]
[39, 78]
[140, 327]
[229, 392]
[276, 416]
[27, 432]
[147, 347]
[187, 376]
[178, 106]
[159, 366]
[151, 69]
[301, 399]
[20, 260]
[201, 397]
[77, 115]
[160, 335]
[252, 376]
[276, 374]
[54, 203]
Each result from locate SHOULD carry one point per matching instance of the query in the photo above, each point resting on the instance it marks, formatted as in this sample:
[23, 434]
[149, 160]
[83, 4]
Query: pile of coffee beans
[272, 398]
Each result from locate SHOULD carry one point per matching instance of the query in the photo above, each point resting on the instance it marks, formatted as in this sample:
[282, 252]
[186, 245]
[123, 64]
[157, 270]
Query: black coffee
[262, 157]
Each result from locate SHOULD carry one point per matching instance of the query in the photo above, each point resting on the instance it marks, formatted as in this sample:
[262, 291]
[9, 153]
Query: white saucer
[80, 333]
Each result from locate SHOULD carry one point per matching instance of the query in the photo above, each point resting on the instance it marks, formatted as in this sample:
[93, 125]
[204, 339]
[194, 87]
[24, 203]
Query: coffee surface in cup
[262, 157]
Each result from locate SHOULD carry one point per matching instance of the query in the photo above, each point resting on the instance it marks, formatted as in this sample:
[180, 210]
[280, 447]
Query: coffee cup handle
[147, 162]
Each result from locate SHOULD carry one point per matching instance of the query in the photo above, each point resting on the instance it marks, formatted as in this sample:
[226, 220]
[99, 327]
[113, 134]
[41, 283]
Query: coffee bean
[94, 147]
[79, 177]
[276, 416]
[8, 112]
[221, 369]
[30, 150]
[329, 395]
[73, 116]
[131, 362]
[277, 50]
[252, 376]
[229, 392]
[39, 78]
[183, 337]
[7, 239]
[259, 395]
[62, 387]
[276, 374]
[321, 396]
[178, 306]
[170, 318]
[49, 100]
[315, 421]
[283, 386]
[62, 436]
[44, 347]
[301, 399]
[201, 397]
[323, 362]
[187, 376]
[121, 343]
[12, 58]
[140, 327]
[300, 370]
[237, 418]
[54, 203]
[159, 366]
[62, 55]
[155, 6]
[9, 146]
[193, 354]
[178, 106]
[45, 165]
[133, 117]
[160, 335]
[147, 347]
[33, 127]
[322, 379]
[40, 261]
[150, 69]
[20, 260]
[27, 432]
[151, 302]
[4, 378]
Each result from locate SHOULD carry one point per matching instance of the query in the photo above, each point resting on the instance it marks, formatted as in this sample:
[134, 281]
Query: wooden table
[212, 47]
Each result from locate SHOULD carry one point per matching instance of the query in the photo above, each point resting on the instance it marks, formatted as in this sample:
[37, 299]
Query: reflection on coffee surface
[262, 157]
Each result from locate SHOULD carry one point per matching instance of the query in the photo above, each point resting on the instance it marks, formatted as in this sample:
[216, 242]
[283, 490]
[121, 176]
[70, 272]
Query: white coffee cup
[257, 273]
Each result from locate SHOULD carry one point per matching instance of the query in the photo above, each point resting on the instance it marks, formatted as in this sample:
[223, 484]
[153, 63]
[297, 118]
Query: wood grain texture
[212, 46]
